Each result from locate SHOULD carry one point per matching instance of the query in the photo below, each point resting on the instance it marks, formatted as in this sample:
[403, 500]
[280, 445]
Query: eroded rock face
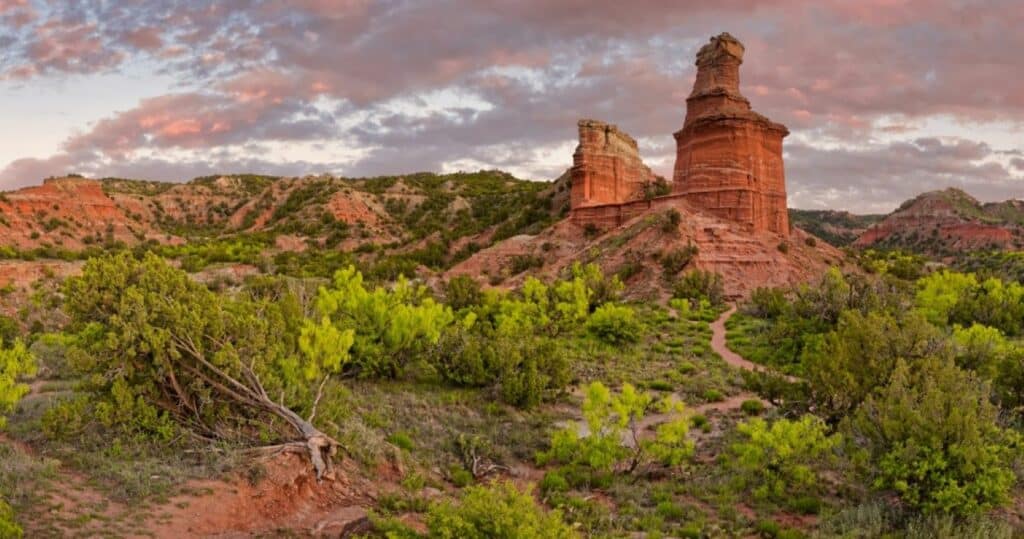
[606, 167]
[728, 157]
[745, 260]
[948, 221]
[63, 212]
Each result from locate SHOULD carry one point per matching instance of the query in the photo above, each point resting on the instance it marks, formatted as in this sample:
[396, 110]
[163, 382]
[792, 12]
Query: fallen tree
[155, 345]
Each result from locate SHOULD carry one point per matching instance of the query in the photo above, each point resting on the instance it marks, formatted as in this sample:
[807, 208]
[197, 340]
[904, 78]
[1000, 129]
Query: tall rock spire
[728, 157]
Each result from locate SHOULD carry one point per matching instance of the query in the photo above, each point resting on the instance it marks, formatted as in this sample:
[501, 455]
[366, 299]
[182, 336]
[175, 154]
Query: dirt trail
[719, 346]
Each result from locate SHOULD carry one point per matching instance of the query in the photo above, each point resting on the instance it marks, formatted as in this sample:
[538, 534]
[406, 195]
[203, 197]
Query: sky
[884, 99]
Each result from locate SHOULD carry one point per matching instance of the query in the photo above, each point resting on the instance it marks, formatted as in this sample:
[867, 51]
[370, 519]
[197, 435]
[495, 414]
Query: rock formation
[606, 167]
[728, 157]
[949, 221]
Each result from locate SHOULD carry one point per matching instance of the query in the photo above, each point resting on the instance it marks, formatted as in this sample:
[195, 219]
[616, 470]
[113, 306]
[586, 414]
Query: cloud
[432, 84]
[878, 177]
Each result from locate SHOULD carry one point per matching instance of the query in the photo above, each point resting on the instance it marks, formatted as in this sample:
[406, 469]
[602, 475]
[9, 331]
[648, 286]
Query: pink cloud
[147, 39]
[268, 72]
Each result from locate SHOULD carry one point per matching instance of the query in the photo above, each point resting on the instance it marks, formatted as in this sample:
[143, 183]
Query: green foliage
[657, 188]
[676, 260]
[778, 461]
[462, 291]
[844, 366]
[498, 511]
[401, 440]
[390, 328]
[838, 228]
[906, 266]
[671, 223]
[509, 341]
[197, 255]
[523, 367]
[1005, 265]
[153, 345]
[15, 361]
[612, 418]
[700, 285]
[768, 302]
[948, 298]
[932, 432]
[521, 263]
[752, 407]
[601, 289]
[614, 324]
[606, 417]
[9, 529]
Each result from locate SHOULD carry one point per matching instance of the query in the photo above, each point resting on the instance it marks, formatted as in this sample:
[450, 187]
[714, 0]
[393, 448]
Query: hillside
[386, 225]
[839, 228]
[651, 250]
[224, 228]
[947, 222]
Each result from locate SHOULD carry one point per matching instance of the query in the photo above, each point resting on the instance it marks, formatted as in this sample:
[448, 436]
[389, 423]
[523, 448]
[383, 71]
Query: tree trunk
[321, 447]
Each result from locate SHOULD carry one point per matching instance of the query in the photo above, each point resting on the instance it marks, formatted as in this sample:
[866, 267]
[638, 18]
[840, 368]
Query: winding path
[718, 344]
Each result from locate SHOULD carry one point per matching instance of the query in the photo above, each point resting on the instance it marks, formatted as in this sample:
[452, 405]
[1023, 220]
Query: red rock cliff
[728, 157]
[606, 167]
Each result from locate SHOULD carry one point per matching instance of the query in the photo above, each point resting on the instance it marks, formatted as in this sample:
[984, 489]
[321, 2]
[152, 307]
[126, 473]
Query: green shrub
[768, 528]
[671, 222]
[777, 460]
[521, 263]
[401, 440]
[806, 505]
[691, 531]
[614, 324]
[601, 289]
[9, 529]
[389, 328]
[15, 362]
[713, 395]
[934, 435]
[669, 511]
[522, 367]
[767, 302]
[752, 407]
[498, 511]
[783, 247]
[553, 481]
[608, 418]
[676, 260]
[810, 241]
[661, 385]
[461, 477]
[462, 291]
[700, 285]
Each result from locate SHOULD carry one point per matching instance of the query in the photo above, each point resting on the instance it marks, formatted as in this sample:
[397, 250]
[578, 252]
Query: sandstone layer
[745, 259]
[949, 221]
[728, 157]
[66, 212]
[606, 167]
